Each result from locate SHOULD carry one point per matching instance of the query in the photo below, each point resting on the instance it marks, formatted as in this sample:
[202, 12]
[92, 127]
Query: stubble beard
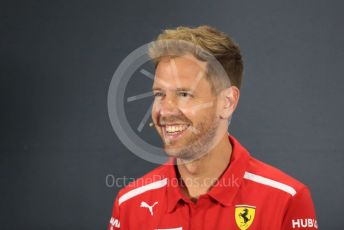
[198, 145]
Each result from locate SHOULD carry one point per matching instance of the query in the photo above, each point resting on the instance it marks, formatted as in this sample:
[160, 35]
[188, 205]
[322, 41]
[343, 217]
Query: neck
[198, 176]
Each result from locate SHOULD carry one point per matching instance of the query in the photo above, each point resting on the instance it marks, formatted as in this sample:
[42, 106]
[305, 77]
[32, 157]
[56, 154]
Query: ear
[229, 99]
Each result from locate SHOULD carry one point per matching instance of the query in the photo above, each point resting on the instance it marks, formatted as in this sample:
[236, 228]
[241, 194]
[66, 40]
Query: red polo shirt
[249, 195]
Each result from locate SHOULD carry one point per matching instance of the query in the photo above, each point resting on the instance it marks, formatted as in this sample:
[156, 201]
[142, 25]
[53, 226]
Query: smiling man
[210, 180]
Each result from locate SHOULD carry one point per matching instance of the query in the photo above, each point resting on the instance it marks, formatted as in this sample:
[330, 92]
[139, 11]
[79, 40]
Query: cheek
[155, 110]
[190, 113]
[204, 115]
[194, 109]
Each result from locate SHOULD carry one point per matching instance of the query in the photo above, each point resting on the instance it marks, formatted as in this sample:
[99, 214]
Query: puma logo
[145, 205]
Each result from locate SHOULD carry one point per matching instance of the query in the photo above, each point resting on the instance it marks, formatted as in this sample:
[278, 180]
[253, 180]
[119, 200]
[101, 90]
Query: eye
[158, 94]
[184, 94]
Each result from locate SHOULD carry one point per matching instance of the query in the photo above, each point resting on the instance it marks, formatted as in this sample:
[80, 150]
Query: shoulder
[151, 183]
[262, 174]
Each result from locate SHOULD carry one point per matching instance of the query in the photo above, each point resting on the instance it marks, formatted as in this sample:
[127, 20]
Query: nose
[167, 106]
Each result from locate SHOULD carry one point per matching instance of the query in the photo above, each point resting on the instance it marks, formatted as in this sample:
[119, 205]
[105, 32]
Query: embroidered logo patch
[244, 216]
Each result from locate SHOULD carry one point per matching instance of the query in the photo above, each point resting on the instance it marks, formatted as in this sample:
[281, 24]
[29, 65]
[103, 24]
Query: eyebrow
[156, 88]
[178, 89]
[183, 89]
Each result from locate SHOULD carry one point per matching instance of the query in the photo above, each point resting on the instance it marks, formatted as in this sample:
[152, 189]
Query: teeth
[175, 128]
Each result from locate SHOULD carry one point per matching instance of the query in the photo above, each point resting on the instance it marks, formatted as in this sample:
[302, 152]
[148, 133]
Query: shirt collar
[226, 187]
[174, 195]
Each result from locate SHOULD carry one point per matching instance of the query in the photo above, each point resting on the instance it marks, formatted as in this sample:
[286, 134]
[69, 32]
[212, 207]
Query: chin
[181, 153]
[172, 152]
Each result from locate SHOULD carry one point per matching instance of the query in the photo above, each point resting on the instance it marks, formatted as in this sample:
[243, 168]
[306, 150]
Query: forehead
[183, 71]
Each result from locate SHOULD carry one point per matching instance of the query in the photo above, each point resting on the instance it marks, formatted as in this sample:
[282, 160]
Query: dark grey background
[57, 60]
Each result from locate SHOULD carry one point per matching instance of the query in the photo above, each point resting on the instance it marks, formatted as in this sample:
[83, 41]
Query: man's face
[184, 108]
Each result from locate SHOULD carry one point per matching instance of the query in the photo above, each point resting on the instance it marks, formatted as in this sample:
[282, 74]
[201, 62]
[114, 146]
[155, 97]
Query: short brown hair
[209, 39]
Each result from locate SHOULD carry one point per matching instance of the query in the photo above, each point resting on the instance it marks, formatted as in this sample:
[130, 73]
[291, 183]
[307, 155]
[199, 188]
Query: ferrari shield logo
[244, 216]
